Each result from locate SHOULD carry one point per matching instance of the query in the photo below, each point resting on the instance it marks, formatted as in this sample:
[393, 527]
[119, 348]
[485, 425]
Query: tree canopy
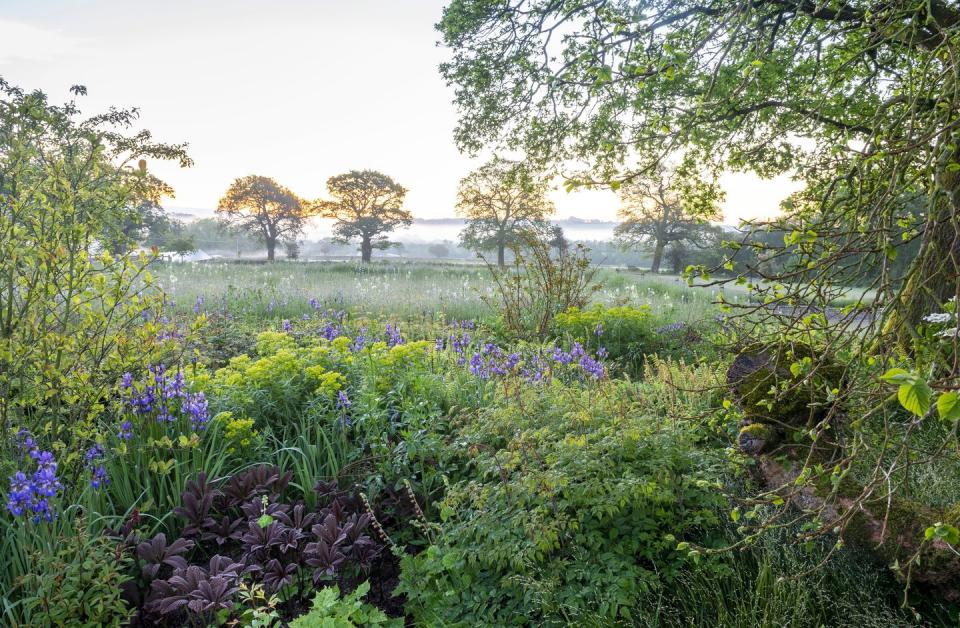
[664, 208]
[264, 209]
[502, 200]
[857, 97]
[367, 205]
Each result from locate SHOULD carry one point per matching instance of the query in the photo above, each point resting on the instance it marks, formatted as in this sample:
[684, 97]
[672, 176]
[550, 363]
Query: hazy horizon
[296, 90]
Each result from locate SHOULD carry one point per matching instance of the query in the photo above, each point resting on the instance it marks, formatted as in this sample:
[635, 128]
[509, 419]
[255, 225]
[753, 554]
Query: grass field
[284, 290]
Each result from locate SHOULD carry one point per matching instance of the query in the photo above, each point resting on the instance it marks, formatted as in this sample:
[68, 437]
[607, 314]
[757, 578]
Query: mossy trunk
[934, 276]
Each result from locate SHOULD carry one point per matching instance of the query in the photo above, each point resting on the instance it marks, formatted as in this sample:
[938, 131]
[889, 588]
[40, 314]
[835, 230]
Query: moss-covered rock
[757, 438]
[784, 386]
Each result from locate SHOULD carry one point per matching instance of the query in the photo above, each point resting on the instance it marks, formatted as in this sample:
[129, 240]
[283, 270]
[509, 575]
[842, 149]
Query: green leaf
[915, 397]
[897, 376]
[948, 406]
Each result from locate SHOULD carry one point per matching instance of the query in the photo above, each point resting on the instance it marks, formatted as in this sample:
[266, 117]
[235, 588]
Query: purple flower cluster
[198, 306]
[492, 361]
[331, 331]
[94, 463]
[195, 406]
[671, 328]
[286, 325]
[161, 394]
[360, 341]
[393, 335]
[30, 495]
[343, 407]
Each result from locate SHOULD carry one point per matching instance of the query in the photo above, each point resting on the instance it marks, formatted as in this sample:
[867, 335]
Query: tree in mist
[502, 200]
[264, 209]
[367, 206]
[667, 207]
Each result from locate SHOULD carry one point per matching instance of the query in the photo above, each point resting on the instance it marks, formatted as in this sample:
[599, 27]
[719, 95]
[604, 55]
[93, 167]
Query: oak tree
[502, 201]
[367, 206]
[665, 208]
[263, 209]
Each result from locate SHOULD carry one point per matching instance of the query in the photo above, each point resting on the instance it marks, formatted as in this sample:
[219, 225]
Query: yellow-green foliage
[627, 332]
[70, 311]
[237, 432]
[277, 385]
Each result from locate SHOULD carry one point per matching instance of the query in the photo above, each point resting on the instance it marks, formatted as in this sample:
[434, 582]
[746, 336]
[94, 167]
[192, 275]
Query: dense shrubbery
[570, 506]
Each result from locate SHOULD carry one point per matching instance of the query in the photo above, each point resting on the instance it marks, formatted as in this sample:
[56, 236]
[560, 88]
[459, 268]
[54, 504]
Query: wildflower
[359, 341]
[949, 333]
[939, 317]
[599, 330]
[330, 331]
[592, 367]
[126, 430]
[195, 406]
[562, 357]
[198, 306]
[31, 495]
[343, 406]
[93, 459]
[393, 335]
[672, 327]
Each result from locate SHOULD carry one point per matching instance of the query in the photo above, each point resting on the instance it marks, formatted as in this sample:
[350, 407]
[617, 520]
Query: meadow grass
[399, 290]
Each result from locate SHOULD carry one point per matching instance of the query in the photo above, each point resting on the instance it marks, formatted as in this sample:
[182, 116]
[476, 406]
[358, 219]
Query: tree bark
[271, 248]
[934, 276]
[657, 256]
[501, 254]
[366, 250]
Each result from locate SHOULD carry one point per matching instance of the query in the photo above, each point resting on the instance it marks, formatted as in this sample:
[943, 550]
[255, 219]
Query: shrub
[572, 508]
[540, 286]
[79, 584]
[329, 610]
[243, 527]
[625, 333]
[73, 316]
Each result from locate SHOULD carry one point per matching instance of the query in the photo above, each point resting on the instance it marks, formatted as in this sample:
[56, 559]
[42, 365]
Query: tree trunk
[934, 276]
[657, 256]
[271, 248]
[366, 250]
[501, 254]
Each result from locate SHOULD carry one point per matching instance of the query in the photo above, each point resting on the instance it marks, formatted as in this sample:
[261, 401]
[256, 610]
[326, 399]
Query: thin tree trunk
[271, 248]
[501, 254]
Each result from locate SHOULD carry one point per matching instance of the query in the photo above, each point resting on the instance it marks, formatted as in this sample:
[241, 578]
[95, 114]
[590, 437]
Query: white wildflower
[949, 333]
[939, 317]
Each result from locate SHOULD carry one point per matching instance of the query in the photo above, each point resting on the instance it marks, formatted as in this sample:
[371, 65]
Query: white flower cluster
[949, 333]
[940, 317]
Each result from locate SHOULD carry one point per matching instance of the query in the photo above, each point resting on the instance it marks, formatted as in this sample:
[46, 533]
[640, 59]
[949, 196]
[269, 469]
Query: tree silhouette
[368, 205]
[501, 200]
[664, 208]
[264, 209]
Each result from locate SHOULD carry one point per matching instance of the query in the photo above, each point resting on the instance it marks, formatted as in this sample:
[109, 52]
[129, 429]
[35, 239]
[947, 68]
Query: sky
[299, 90]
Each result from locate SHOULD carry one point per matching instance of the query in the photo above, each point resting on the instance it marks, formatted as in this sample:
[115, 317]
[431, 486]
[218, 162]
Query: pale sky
[299, 90]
